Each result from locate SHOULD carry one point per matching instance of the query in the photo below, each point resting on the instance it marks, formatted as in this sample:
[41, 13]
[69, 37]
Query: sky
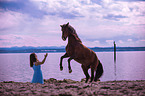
[97, 22]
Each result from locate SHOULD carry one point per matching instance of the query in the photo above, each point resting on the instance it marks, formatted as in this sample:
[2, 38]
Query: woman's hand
[39, 63]
[46, 55]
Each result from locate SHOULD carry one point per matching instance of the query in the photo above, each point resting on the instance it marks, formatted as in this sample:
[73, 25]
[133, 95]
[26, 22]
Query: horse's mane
[73, 32]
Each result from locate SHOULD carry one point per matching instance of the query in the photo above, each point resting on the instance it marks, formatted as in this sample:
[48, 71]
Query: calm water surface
[15, 66]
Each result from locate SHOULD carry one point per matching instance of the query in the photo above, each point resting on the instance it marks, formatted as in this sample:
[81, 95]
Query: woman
[36, 64]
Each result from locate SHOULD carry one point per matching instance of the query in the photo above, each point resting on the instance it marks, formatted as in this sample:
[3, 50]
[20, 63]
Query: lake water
[129, 66]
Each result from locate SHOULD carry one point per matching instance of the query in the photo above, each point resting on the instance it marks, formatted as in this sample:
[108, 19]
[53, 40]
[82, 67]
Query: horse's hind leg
[85, 70]
[92, 74]
[64, 56]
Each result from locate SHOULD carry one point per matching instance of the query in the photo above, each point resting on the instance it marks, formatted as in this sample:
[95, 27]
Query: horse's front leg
[64, 56]
[69, 67]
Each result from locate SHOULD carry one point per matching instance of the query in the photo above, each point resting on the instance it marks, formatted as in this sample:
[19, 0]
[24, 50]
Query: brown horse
[80, 53]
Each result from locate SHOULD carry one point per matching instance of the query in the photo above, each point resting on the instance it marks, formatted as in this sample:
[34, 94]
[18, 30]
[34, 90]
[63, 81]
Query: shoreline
[68, 87]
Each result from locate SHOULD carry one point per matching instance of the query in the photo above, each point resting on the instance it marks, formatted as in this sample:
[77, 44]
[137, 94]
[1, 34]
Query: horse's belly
[85, 62]
[86, 58]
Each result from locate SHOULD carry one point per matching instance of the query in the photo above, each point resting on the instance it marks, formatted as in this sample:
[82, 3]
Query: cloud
[131, 43]
[120, 41]
[95, 21]
[78, 9]
[71, 15]
[142, 40]
[93, 43]
[28, 40]
[130, 40]
[10, 19]
[21, 6]
[129, 0]
[114, 17]
[109, 41]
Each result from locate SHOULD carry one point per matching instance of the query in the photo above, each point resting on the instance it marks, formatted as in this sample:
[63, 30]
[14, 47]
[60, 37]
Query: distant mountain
[52, 49]
[30, 49]
[101, 49]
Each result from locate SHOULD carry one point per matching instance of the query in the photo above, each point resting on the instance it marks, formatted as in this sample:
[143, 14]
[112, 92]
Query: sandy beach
[67, 87]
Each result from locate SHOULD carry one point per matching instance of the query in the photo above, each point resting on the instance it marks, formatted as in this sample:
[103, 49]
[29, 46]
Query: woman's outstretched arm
[39, 63]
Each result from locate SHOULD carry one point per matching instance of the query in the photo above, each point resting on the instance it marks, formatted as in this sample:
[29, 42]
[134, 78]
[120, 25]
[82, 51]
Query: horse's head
[65, 31]
[68, 30]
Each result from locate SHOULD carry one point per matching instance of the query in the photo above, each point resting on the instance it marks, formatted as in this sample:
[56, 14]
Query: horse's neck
[73, 39]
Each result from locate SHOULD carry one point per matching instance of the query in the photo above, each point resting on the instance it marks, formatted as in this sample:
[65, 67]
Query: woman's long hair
[33, 58]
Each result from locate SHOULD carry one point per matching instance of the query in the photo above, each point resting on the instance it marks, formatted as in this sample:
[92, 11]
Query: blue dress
[37, 76]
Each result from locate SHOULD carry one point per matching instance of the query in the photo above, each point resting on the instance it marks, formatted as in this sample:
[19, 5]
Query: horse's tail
[99, 71]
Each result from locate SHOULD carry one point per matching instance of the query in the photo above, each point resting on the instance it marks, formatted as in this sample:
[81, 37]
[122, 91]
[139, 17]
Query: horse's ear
[61, 25]
[67, 24]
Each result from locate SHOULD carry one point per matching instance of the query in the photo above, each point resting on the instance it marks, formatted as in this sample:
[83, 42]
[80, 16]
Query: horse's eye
[63, 28]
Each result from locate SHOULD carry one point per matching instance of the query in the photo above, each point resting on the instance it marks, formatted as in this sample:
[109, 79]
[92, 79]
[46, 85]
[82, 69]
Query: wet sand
[67, 87]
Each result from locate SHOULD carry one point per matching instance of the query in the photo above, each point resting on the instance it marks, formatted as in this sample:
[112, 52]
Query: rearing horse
[80, 53]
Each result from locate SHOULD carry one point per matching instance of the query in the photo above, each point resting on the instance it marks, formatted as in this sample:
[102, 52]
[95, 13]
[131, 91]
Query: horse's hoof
[97, 80]
[86, 81]
[70, 71]
[90, 81]
[61, 68]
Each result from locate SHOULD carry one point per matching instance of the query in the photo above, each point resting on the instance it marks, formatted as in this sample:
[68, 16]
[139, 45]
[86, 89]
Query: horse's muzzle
[63, 38]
